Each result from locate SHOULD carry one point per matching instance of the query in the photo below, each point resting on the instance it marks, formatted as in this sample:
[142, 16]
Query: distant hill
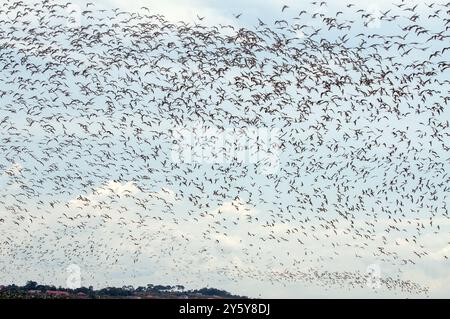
[33, 290]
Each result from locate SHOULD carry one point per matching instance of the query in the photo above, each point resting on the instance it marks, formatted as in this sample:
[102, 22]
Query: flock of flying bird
[90, 103]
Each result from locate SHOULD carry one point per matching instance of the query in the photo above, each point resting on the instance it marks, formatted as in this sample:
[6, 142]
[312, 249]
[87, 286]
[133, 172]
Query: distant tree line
[157, 291]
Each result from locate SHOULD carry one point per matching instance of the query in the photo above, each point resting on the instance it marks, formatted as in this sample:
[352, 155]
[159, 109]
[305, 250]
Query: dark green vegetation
[33, 290]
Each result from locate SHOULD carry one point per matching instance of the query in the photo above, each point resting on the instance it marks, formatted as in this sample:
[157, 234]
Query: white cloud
[109, 188]
[117, 188]
[236, 207]
[14, 169]
[233, 242]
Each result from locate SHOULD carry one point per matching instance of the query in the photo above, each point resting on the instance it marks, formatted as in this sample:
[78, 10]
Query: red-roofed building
[57, 293]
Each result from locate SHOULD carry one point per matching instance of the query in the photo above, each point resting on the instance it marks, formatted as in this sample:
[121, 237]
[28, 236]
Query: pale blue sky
[173, 248]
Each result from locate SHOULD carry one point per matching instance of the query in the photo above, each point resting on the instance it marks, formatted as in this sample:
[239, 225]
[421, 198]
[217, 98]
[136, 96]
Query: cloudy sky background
[172, 244]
